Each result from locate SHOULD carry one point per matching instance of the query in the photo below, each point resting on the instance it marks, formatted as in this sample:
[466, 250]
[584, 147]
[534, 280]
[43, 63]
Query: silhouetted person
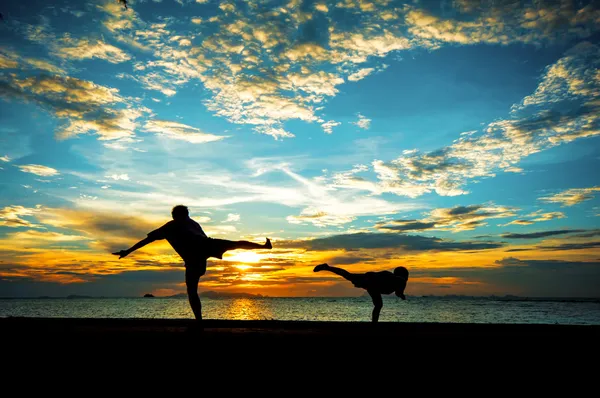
[375, 283]
[124, 2]
[188, 239]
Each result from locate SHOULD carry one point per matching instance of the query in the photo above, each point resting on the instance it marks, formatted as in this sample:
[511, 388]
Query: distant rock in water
[148, 295]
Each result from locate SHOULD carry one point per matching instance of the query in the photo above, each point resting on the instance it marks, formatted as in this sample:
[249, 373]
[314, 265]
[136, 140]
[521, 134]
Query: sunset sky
[459, 139]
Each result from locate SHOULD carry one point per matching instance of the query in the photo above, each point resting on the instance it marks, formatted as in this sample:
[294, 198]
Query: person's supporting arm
[142, 243]
[377, 305]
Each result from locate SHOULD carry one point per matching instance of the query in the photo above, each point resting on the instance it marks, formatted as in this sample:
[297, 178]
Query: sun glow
[243, 257]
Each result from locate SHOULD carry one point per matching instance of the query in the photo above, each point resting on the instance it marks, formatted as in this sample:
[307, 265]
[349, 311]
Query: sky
[459, 139]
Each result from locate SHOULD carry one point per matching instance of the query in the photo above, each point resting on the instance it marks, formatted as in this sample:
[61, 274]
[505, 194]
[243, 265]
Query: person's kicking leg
[338, 271]
[244, 244]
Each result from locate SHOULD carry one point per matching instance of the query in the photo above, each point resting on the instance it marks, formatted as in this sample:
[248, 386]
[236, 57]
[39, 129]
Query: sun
[243, 257]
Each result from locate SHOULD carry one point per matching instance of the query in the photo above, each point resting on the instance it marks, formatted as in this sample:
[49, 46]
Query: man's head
[402, 275]
[180, 212]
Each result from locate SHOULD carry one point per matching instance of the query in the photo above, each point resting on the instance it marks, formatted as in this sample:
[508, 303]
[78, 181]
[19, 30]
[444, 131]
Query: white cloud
[572, 196]
[363, 122]
[5, 158]
[39, 170]
[117, 177]
[180, 131]
[328, 126]
[231, 217]
[85, 48]
[361, 74]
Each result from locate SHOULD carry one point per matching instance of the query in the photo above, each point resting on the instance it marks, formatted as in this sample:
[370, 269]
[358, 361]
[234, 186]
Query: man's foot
[320, 267]
[268, 245]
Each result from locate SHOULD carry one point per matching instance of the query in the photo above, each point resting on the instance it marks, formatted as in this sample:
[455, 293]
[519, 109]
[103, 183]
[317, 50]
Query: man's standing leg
[193, 272]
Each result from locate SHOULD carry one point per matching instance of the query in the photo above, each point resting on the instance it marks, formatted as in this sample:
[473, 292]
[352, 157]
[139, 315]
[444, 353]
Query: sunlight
[243, 257]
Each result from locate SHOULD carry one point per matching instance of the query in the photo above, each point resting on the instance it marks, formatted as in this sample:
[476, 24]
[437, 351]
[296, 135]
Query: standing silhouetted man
[188, 239]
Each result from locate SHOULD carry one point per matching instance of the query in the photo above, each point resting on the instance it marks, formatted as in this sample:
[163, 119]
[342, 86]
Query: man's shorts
[216, 247]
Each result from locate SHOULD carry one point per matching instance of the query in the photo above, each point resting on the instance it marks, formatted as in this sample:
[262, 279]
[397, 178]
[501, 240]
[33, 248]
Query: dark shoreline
[21, 327]
[81, 340]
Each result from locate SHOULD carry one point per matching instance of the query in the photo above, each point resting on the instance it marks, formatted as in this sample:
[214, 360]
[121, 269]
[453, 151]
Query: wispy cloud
[542, 234]
[77, 49]
[572, 196]
[537, 216]
[11, 216]
[460, 218]
[39, 170]
[361, 74]
[180, 131]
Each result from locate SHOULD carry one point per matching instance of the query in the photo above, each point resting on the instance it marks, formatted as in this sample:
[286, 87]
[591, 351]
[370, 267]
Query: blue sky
[456, 122]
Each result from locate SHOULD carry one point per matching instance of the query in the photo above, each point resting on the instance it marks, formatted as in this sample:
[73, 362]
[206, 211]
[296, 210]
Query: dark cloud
[591, 234]
[350, 260]
[541, 234]
[571, 246]
[364, 240]
[405, 225]
[125, 284]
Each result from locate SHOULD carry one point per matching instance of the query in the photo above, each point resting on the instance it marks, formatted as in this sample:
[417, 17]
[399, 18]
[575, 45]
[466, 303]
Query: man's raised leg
[338, 271]
[244, 244]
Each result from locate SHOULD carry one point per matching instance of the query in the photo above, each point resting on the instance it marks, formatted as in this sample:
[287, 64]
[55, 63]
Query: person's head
[180, 212]
[402, 274]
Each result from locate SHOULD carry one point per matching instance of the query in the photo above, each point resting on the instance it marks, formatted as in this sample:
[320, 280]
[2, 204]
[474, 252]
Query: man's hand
[121, 254]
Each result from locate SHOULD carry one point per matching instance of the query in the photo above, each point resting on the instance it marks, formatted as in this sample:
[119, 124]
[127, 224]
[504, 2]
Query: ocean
[414, 309]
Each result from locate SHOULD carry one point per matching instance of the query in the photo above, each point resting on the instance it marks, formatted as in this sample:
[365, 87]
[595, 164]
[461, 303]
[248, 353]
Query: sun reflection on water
[244, 308]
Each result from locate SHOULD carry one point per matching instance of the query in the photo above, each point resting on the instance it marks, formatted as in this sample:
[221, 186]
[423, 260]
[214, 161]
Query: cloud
[361, 74]
[541, 234]
[45, 236]
[364, 240]
[12, 60]
[328, 126]
[363, 122]
[10, 216]
[556, 116]
[39, 170]
[538, 217]
[117, 177]
[78, 49]
[104, 226]
[5, 158]
[503, 23]
[180, 131]
[85, 105]
[459, 218]
[570, 246]
[232, 217]
[572, 196]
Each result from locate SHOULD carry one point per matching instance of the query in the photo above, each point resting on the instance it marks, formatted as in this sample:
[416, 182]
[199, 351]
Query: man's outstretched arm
[142, 243]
